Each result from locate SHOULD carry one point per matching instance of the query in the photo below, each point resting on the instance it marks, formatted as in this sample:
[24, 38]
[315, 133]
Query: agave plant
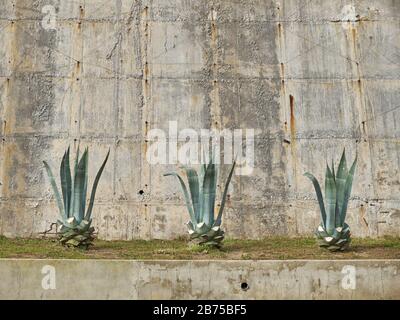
[204, 229]
[334, 233]
[74, 225]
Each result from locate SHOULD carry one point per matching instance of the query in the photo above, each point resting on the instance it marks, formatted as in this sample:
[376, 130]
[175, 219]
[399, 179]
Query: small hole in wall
[244, 286]
[141, 192]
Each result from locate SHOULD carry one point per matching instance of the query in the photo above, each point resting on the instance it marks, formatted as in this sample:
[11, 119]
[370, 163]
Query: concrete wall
[310, 77]
[85, 279]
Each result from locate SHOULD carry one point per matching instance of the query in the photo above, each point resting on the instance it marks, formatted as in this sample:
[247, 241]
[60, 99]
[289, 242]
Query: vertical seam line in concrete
[363, 105]
[117, 88]
[146, 94]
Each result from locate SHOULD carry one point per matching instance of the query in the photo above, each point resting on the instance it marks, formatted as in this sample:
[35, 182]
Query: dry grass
[266, 249]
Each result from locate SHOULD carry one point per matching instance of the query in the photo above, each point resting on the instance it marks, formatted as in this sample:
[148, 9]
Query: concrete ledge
[208, 279]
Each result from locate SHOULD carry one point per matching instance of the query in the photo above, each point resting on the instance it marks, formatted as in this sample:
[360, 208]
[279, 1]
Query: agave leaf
[194, 190]
[94, 188]
[66, 182]
[73, 200]
[341, 177]
[221, 208]
[330, 197]
[84, 225]
[203, 168]
[347, 188]
[85, 181]
[209, 192]
[333, 171]
[55, 191]
[202, 228]
[342, 168]
[79, 184]
[76, 160]
[186, 195]
[319, 197]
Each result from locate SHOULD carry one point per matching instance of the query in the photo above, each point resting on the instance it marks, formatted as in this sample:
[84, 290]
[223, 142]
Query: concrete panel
[177, 49]
[176, 97]
[378, 49]
[322, 109]
[250, 104]
[124, 279]
[247, 50]
[312, 49]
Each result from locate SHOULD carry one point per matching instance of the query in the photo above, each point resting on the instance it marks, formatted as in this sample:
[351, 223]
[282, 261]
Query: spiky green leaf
[194, 190]
[347, 187]
[203, 168]
[85, 181]
[66, 182]
[330, 198]
[341, 177]
[319, 197]
[186, 196]
[94, 188]
[209, 192]
[342, 168]
[55, 191]
[72, 206]
[79, 184]
[221, 208]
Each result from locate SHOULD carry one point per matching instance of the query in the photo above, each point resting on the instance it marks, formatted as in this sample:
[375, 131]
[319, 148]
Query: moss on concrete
[269, 248]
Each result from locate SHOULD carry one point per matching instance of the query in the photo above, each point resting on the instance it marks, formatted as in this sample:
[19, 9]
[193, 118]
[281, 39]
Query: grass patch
[276, 248]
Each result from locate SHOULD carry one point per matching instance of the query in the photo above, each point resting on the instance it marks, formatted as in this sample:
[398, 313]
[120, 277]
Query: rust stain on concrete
[215, 93]
[292, 118]
[293, 136]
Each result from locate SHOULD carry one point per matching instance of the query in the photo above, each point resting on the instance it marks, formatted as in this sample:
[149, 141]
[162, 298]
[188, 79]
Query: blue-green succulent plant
[333, 232]
[74, 225]
[204, 228]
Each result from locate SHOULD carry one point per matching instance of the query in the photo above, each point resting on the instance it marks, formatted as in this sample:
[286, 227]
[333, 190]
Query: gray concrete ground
[124, 279]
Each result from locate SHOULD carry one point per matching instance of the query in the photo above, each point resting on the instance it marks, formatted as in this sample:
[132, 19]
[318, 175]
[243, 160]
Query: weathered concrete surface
[124, 279]
[112, 70]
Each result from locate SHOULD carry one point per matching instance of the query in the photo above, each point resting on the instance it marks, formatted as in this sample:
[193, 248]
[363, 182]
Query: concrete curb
[205, 279]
